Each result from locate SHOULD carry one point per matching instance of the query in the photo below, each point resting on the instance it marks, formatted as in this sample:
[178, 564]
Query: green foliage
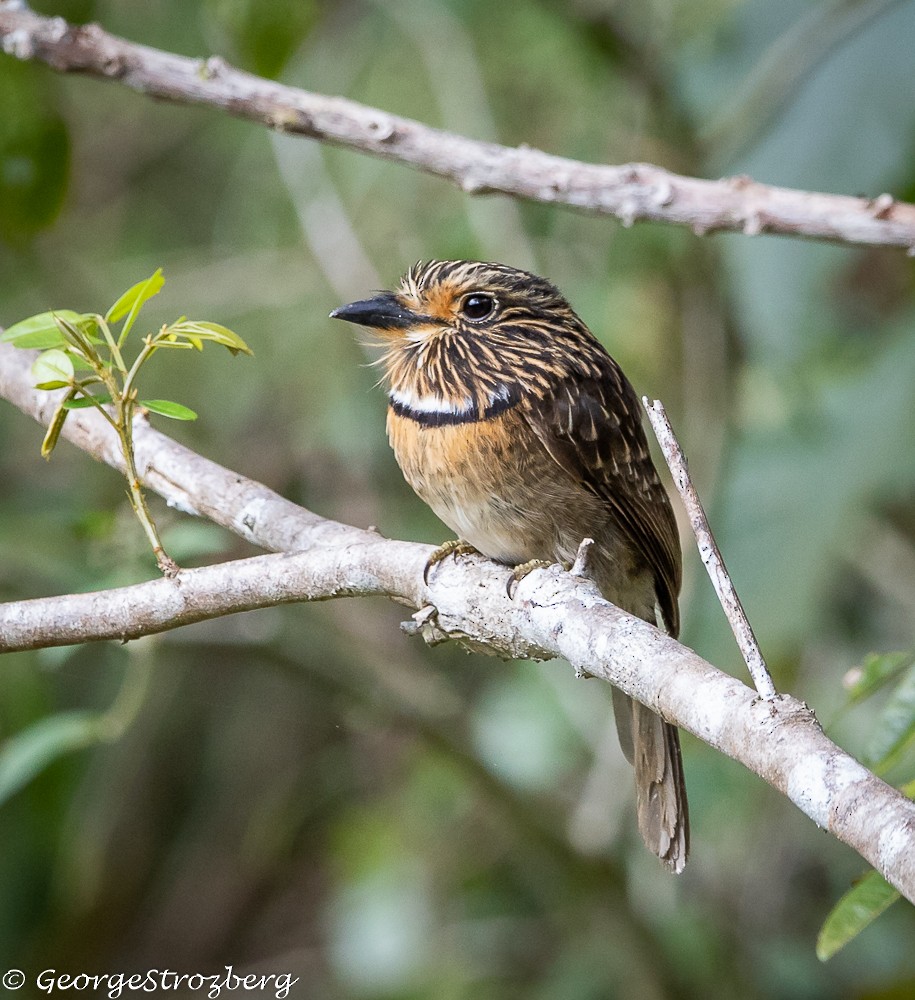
[86, 342]
[893, 733]
[34, 152]
[264, 35]
[30, 751]
[895, 729]
[855, 911]
[878, 670]
[167, 408]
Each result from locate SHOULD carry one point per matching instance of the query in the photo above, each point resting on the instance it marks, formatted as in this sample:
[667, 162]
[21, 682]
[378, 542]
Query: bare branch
[553, 614]
[631, 192]
[708, 548]
[373, 567]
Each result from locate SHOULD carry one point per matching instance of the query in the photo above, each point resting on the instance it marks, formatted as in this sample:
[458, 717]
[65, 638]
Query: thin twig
[631, 192]
[708, 549]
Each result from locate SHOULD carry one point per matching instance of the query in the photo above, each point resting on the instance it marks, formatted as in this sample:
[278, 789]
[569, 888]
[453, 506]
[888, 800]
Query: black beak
[383, 312]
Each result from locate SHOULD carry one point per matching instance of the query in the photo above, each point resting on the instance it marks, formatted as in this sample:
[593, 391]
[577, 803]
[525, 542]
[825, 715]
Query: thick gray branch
[631, 192]
[553, 614]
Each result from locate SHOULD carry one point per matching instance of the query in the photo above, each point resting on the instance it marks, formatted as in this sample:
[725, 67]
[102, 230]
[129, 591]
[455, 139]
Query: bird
[509, 418]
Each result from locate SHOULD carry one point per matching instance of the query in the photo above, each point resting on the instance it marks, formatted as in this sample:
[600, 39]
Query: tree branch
[631, 192]
[708, 548]
[553, 614]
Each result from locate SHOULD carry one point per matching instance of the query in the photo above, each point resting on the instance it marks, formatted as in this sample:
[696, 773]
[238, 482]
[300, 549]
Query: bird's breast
[496, 486]
[473, 476]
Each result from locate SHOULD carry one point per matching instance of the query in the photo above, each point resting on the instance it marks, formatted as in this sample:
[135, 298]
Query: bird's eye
[477, 306]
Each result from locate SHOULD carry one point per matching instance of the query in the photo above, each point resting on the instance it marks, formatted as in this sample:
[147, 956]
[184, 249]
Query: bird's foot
[453, 547]
[520, 572]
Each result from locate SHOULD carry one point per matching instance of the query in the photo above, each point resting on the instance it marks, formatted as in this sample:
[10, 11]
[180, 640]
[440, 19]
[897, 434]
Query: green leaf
[52, 367]
[52, 434]
[30, 751]
[202, 330]
[82, 365]
[895, 727]
[167, 408]
[132, 300]
[182, 345]
[85, 401]
[877, 670]
[858, 908]
[266, 35]
[40, 331]
[80, 333]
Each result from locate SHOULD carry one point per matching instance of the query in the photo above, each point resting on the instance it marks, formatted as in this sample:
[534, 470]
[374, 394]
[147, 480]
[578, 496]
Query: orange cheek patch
[441, 301]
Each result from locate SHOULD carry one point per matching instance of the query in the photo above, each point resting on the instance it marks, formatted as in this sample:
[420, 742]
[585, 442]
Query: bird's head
[466, 330]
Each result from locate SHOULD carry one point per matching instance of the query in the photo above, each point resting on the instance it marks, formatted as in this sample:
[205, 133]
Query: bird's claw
[520, 572]
[453, 547]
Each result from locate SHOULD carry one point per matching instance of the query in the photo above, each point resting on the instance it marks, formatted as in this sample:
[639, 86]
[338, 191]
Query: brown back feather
[592, 429]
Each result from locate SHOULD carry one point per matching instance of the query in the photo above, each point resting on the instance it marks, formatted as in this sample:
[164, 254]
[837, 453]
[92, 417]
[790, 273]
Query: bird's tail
[652, 746]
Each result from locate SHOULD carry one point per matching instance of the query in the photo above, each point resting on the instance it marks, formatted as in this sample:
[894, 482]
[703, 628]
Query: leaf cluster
[73, 343]
[86, 355]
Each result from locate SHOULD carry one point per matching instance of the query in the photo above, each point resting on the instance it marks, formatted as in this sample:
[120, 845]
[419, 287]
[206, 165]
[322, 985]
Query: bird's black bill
[383, 312]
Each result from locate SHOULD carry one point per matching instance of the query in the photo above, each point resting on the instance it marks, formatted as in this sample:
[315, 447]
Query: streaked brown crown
[465, 331]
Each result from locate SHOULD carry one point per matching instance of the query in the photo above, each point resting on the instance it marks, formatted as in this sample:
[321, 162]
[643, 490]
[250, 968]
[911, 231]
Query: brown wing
[592, 427]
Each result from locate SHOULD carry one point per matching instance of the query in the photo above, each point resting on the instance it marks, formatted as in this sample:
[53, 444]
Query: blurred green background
[305, 789]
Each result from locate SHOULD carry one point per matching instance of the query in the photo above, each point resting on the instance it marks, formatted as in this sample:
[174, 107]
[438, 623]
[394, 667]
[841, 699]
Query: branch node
[88, 35]
[473, 184]
[167, 566]
[582, 565]
[425, 613]
[381, 129]
[57, 29]
[663, 194]
[19, 44]
[424, 625]
[560, 183]
[628, 212]
[753, 224]
[881, 206]
[91, 37]
[286, 121]
[213, 68]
